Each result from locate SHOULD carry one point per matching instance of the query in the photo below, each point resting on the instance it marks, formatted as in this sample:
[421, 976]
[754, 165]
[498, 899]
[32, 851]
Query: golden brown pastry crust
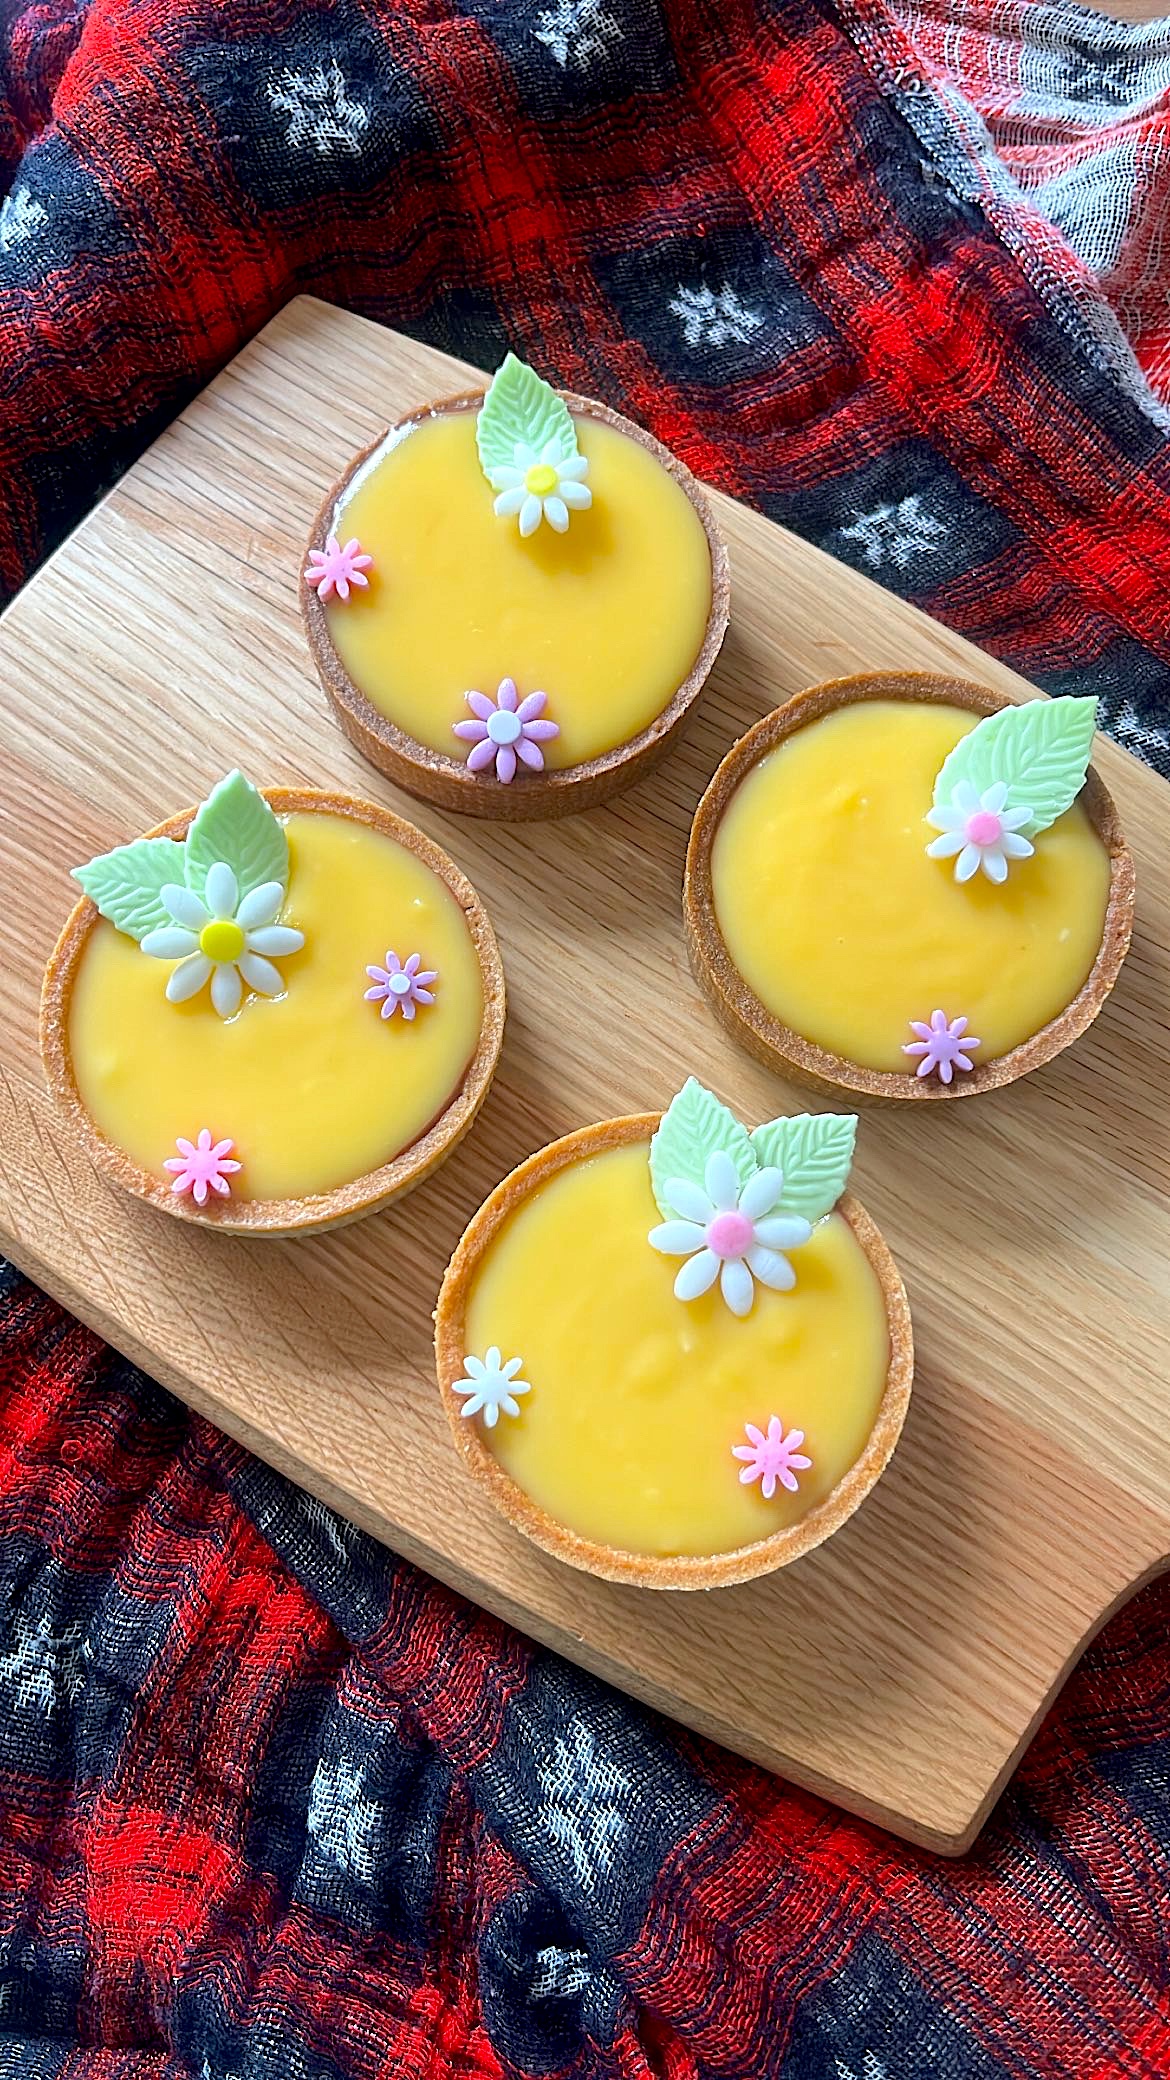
[436, 777]
[778, 1045]
[362, 1195]
[643, 1570]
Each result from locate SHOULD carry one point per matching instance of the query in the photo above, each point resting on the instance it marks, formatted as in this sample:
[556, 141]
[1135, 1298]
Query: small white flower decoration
[491, 1386]
[982, 829]
[220, 939]
[544, 486]
[730, 1234]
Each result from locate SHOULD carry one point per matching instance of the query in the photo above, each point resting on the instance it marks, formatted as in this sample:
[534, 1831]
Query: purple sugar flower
[401, 986]
[944, 1045]
[505, 731]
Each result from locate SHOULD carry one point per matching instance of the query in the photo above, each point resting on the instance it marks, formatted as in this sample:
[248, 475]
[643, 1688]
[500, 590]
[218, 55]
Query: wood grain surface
[901, 1668]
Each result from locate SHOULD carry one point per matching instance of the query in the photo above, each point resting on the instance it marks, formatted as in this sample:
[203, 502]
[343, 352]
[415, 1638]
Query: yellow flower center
[541, 479]
[221, 940]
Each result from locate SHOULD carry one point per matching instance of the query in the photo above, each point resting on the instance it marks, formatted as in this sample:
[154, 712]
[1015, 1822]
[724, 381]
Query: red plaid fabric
[273, 1807]
[769, 233]
[1069, 113]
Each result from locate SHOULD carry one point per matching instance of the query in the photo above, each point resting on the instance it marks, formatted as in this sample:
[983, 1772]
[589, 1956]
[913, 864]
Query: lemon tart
[513, 599]
[275, 1012]
[672, 1352]
[905, 886]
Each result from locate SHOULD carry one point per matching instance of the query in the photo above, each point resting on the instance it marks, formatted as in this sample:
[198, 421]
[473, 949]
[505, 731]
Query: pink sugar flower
[506, 730]
[944, 1045]
[772, 1458]
[401, 986]
[334, 569]
[200, 1165]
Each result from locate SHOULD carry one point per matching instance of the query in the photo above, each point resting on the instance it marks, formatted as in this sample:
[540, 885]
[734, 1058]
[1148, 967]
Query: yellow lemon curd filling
[637, 1398]
[607, 619]
[314, 1086]
[845, 930]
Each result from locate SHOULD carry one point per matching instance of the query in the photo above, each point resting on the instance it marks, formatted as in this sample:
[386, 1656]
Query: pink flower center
[400, 984]
[730, 1235]
[984, 828]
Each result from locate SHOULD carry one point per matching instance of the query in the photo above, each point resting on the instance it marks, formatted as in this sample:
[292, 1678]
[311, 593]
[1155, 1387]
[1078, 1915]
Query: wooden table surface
[900, 1668]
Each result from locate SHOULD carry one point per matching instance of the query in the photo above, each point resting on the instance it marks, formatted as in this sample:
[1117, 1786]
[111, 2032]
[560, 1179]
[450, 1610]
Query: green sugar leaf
[236, 825]
[127, 884]
[693, 1127]
[814, 1150]
[519, 406]
[1040, 751]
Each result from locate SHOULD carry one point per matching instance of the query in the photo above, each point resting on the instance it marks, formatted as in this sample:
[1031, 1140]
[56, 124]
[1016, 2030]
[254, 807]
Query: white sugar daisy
[541, 487]
[220, 939]
[980, 831]
[729, 1234]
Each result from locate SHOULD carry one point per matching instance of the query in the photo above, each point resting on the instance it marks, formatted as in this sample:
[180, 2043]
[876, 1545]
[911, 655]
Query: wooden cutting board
[901, 1669]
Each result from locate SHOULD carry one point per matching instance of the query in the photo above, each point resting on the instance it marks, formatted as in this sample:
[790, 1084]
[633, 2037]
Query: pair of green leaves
[234, 825]
[520, 408]
[1040, 751]
[813, 1150]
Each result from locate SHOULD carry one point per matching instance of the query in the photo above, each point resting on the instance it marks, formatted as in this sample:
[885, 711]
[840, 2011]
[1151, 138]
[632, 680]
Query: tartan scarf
[272, 1805]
